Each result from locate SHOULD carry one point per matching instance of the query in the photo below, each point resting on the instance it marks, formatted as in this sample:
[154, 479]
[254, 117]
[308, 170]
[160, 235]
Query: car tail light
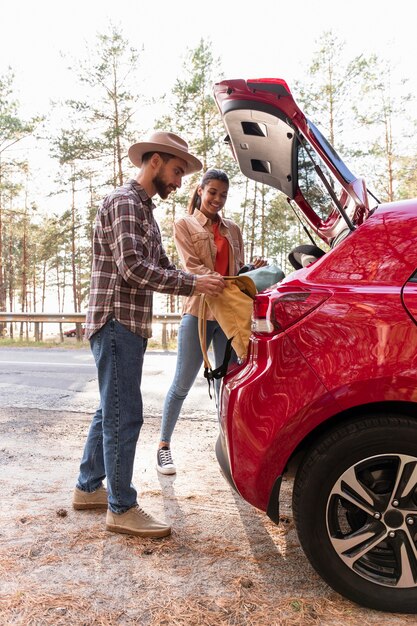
[273, 313]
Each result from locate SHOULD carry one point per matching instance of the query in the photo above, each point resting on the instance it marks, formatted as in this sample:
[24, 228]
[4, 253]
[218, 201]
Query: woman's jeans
[189, 362]
[111, 442]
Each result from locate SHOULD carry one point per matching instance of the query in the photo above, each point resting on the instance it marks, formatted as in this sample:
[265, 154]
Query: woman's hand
[259, 262]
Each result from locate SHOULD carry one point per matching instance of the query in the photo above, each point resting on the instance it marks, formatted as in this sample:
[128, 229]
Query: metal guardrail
[78, 318]
[74, 318]
[8, 316]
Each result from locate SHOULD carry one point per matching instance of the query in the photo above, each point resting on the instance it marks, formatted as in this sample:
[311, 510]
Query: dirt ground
[225, 563]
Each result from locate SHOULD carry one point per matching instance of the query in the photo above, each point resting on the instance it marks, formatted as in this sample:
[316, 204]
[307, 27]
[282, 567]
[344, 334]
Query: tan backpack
[233, 311]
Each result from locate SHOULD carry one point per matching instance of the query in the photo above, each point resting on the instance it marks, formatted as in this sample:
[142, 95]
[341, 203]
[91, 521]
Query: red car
[72, 332]
[330, 381]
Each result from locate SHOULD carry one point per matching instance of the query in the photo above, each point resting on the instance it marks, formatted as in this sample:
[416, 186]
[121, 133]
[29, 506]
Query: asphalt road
[65, 380]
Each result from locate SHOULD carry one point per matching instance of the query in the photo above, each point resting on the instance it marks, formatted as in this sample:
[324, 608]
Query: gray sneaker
[164, 462]
[136, 522]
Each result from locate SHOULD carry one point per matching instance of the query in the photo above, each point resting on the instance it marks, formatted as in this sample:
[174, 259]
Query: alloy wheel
[371, 519]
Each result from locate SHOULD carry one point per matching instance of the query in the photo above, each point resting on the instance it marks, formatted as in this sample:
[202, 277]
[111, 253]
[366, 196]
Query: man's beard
[162, 189]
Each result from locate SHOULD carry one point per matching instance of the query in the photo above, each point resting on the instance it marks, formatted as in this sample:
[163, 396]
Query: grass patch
[53, 342]
[72, 344]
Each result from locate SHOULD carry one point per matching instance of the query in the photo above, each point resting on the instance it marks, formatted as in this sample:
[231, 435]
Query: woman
[207, 244]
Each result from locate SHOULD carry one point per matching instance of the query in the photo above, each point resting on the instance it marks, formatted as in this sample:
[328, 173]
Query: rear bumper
[223, 460]
[273, 505]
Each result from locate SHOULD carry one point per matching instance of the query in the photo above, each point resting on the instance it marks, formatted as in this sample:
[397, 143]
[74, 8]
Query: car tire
[355, 510]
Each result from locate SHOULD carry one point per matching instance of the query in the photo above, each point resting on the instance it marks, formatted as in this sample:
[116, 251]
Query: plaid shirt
[129, 263]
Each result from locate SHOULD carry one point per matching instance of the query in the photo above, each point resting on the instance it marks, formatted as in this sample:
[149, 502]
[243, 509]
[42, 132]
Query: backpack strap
[202, 330]
[209, 373]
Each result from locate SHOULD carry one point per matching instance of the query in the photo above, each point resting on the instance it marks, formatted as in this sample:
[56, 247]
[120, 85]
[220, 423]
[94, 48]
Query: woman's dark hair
[212, 174]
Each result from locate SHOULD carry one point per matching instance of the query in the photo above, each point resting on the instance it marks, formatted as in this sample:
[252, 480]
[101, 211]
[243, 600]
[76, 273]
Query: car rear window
[312, 186]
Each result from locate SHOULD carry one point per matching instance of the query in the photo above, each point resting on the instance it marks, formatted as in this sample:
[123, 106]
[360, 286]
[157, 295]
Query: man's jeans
[111, 442]
[189, 362]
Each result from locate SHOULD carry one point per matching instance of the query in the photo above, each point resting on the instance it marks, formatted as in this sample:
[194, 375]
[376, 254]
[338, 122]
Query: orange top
[221, 264]
[194, 239]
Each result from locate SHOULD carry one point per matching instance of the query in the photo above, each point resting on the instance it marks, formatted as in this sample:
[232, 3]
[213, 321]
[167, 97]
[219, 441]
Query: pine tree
[100, 123]
[383, 113]
[13, 129]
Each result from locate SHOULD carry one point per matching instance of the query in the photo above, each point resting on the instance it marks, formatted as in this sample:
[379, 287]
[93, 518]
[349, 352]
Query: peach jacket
[194, 240]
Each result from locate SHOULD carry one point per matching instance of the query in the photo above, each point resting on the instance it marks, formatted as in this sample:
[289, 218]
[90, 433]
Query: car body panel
[359, 346]
[290, 393]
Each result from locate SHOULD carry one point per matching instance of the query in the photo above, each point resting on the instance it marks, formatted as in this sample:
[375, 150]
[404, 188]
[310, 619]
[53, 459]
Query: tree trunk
[73, 248]
[2, 285]
[64, 278]
[24, 277]
[43, 296]
[263, 193]
[253, 230]
[245, 203]
[58, 287]
[11, 276]
[390, 168]
[117, 131]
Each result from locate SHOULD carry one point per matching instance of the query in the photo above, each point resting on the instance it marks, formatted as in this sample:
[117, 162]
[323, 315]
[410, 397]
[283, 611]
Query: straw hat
[165, 142]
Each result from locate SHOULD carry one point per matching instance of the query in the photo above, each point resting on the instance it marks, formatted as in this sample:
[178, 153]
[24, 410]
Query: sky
[253, 40]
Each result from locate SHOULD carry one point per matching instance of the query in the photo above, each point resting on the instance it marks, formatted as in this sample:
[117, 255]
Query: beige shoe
[136, 522]
[83, 500]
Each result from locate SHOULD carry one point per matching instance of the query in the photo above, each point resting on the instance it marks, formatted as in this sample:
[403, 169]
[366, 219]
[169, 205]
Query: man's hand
[210, 284]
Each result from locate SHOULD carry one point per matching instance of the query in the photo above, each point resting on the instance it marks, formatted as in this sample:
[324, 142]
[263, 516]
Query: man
[129, 264]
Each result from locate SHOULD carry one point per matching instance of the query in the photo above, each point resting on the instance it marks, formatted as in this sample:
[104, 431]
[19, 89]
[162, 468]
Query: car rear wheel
[355, 509]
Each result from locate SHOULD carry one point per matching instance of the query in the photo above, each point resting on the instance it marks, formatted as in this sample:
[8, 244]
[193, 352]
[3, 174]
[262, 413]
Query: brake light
[260, 318]
[271, 82]
[274, 312]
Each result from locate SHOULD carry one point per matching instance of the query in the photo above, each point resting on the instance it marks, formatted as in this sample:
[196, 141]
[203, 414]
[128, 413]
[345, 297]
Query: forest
[361, 105]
